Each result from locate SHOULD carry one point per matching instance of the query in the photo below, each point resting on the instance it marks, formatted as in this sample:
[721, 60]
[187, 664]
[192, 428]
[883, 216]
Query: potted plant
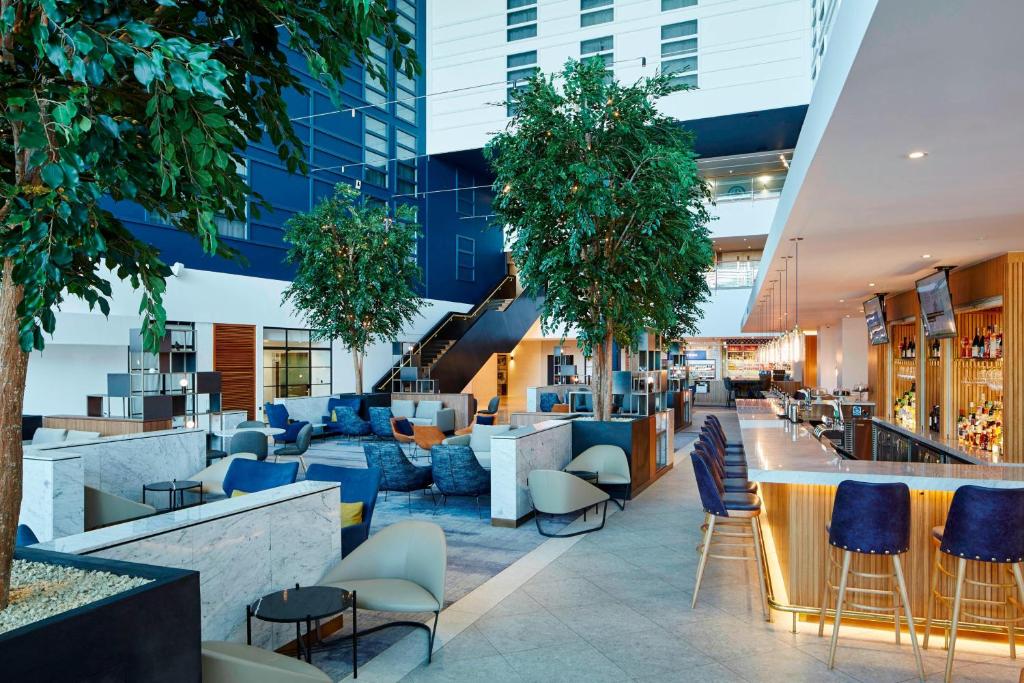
[604, 210]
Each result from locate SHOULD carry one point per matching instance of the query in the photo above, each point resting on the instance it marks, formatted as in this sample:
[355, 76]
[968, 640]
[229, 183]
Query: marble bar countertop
[948, 446]
[126, 532]
[779, 451]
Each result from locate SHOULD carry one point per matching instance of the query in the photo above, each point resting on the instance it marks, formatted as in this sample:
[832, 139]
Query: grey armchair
[559, 493]
[492, 406]
[612, 468]
[249, 442]
[225, 662]
[299, 448]
[401, 568]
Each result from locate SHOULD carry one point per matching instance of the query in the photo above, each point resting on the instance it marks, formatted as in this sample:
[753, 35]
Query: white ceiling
[940, 77]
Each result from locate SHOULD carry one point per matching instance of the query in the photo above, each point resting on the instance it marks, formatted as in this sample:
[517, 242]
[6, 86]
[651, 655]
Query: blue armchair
[250, 476]
[380, 422]
[346, 409]
[357, 485]
[397, 471]
[277, 417]
[457, 472]
[25, 536]
[547, 401]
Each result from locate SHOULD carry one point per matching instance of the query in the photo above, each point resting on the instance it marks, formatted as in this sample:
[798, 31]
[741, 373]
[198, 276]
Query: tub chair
[402, 431]
[358, 485]
[299, 448]
[559, 493]
[249, 476]
[346, 422]
[457, 472]
[277, 416]
[397, 471]
[399, 569]
[25, 536]
[612, 467]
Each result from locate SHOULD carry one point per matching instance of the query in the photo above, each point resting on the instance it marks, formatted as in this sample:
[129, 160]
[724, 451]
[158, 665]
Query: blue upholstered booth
[358, 485]
[277, 417]
[253, 475]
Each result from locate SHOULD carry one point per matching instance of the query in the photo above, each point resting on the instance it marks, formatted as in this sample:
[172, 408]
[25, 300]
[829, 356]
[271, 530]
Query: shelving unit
[976, 381]
[903, 371]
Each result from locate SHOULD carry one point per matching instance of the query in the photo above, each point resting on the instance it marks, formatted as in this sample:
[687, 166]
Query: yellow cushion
[351, 513]
[236, 493]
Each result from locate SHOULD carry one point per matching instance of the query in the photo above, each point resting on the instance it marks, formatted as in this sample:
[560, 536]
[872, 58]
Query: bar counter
[798, 475]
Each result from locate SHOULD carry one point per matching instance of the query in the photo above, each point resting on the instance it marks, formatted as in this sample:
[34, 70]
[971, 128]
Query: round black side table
[172, 487]
[306, 604]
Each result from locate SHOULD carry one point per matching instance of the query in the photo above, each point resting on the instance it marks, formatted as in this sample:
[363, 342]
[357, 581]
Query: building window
[521, 20]
[667, 5]
[405, 178]
[236, 228]
[679, 52]
[373, 89]
[465, 259]
[375, 152]
[593, 12]
[520, 67]
[599, 48]
[294, 365]
[465, 198]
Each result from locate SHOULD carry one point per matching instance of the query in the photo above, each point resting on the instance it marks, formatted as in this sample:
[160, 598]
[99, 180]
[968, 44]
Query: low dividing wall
[243, 548]
[542, 446]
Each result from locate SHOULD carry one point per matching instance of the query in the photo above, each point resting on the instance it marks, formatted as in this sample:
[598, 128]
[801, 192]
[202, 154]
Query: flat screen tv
[874, 313]
[936, 306]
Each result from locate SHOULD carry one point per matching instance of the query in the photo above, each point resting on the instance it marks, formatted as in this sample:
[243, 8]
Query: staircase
[455, 349]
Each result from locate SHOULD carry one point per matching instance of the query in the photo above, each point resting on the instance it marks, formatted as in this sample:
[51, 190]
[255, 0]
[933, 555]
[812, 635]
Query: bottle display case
[978, 380]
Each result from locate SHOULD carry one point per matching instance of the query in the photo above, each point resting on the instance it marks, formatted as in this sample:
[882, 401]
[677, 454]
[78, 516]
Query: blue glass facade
[380, 145]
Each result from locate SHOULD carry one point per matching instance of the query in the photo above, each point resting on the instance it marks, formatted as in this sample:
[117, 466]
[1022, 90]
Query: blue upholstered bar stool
[869, 519]
[732, 525]
[714, 423]
[984, 525]
[735, 483]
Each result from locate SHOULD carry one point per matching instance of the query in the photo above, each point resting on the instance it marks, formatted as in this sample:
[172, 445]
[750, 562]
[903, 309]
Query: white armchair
[401, 568]
[559, 493]
[237, 663]
[612, 468]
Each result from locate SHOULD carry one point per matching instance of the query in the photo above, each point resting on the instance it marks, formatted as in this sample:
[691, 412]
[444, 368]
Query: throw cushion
[334, 415]
[485, 419]
[403, 408]
[480, 437]
[403, 427]
[351, 513]
[238, 492]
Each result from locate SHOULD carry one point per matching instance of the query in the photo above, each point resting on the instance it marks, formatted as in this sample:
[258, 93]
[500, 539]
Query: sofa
[44, 436]
[425, 413]
[479, 441]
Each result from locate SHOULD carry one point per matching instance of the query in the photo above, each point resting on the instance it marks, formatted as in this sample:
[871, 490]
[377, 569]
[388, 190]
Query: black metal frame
[475, 497]
[537, 513]
[431, 633]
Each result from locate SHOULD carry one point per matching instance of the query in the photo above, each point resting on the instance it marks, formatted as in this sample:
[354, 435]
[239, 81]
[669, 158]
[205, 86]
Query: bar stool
[714, 423]
[725, 516]
[727, 458]
[730, 484]
[869, 519]
[983, 525]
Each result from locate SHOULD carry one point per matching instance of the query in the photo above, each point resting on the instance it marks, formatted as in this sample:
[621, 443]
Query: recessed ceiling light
[871, 284]
[847, 315]
[842, 301]
[926, 255]
[917, 154]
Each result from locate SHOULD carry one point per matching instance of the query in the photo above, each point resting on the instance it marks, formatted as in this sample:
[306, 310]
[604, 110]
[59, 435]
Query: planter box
[150, 633]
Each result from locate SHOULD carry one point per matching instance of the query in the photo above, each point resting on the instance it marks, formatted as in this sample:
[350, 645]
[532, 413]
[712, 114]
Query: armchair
[559, 493]
[397, 471]
[348, 422]
[612, 468]
[212, 477]
[358, 485]
[249, 476]
[427, 413]
[547, 401]
[479, 441]
[277, 417]
[401, 569]
[380, 422]
[225, 662]
[457, 472]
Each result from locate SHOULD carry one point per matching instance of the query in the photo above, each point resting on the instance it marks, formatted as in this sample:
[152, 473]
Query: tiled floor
[615, 606]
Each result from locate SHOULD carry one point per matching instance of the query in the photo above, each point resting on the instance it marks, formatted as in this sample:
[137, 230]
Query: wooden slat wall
[234, 357]
[106, 426]
[1013, 358]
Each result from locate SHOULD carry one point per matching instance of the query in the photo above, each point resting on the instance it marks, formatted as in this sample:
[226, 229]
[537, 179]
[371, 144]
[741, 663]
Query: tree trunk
[357, 364]
[603, 378]
[13, 365]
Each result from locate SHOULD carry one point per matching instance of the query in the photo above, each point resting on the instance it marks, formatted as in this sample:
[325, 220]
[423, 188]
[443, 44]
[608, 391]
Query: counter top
[949, 446]
[779, 451]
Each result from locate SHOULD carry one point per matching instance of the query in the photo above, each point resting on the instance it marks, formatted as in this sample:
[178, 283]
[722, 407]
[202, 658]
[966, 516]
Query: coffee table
[172, 487]
[299, 604]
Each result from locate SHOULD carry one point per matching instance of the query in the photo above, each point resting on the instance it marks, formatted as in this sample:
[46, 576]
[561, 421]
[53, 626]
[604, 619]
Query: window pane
[676, 4]
[273, 336]
[320, 359]
[685, 80]
[679, 65]
[521, 59]
[592, 4]
[595, 18]
[298, 337]
[596, 45]
[405, 139]
[406, 112]
[376, 126]
[686, 28]
[296, 390]
[521, 74]
[679, 47]
[321, 390]
[321, 376]
[512, 4]
[522, 32]
[521, 17]
[298, 376]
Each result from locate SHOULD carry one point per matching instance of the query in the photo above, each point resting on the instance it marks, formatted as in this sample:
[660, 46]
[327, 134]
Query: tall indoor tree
[149, 102]
[355, 271]
[604, 210]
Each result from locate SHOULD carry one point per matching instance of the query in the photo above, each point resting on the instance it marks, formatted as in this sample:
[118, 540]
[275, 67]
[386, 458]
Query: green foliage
[603, 205]
[152, 102]
[355, 269]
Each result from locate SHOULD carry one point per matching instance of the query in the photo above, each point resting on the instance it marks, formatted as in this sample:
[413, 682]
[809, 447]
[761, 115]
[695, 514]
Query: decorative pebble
[40, 590]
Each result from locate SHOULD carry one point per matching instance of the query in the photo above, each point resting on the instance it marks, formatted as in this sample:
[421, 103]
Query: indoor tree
[604, 210]
[148, 102]
[355, 271]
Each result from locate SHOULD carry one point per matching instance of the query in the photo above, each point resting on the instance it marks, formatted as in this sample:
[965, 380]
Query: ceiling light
[917, 155]
[842, 301]
[871, 284]
[926, 255]
[765, 179]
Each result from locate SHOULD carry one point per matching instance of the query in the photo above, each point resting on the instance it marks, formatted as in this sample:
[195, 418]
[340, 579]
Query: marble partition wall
[52, 493]
[542, 446]
[243, 548]
[122, 464]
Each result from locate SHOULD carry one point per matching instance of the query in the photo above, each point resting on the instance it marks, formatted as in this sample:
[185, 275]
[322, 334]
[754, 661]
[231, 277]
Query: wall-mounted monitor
[874, 314]
[936, 306]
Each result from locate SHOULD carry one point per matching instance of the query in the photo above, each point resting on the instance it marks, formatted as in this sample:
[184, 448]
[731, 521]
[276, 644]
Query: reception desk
[798, 476]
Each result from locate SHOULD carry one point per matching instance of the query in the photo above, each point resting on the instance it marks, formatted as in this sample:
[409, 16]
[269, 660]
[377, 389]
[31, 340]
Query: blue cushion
[485, 419]
[548, 400]
[254, 475]
[403, 427]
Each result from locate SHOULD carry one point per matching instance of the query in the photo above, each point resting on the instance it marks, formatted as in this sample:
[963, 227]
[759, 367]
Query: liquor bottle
[976, 344]
[987, 341]
[913, 349]
[997, 343]
[965, 347]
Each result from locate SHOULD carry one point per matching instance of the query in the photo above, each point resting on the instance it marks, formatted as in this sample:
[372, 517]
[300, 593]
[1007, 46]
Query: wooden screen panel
[1013, 355]
[234, 357]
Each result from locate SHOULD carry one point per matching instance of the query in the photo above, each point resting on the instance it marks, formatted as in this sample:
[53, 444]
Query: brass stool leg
[931, 601]
[961, 570]
[703, 557]
[898, 566]
[1019, 580]
[839, 608]
[826, 594]
[896, 615]
[755, 525]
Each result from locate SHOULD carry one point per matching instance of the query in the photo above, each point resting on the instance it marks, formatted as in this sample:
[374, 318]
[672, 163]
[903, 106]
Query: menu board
[936, 306]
